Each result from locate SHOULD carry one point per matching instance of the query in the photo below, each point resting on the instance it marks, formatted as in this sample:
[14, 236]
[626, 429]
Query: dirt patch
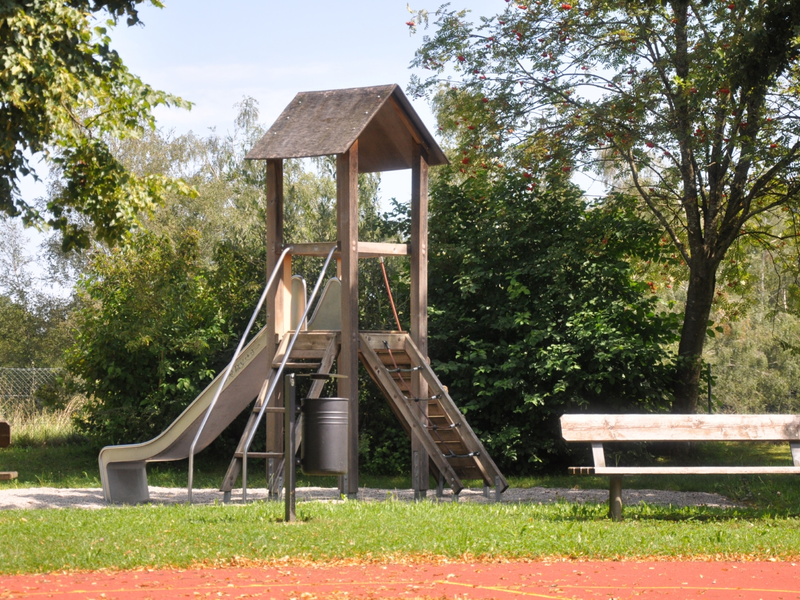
[32, 498]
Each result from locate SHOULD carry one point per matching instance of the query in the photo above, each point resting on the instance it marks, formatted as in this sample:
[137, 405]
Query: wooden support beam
[406, 121]
[347, 231]
[419, 305]
[376, 249]
[275, 301]
[365, 249]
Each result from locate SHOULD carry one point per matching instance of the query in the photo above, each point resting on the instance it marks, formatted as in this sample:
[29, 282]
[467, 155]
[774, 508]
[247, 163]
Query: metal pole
[230, 367]
[289, 435]
[275, 380]
[709, 388]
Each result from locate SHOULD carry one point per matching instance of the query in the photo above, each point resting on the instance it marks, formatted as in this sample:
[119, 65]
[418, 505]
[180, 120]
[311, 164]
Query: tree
[534, 311]
[147, 334]
[34, 324]
[64, 93]
[693, 103]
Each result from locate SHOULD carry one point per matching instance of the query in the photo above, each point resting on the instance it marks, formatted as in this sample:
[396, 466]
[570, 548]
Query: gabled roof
[321, 123]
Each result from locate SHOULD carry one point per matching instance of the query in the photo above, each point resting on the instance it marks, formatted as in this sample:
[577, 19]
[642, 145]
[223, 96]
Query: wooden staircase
[456, 453]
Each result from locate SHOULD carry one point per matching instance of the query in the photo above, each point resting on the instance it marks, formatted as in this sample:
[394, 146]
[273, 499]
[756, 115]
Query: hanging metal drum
[324, 447]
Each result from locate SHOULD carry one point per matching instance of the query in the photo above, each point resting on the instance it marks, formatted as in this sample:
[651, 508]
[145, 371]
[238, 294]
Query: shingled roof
[321, 123]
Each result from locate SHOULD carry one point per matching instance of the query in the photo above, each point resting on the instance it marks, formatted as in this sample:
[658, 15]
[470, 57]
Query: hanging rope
[389, 291]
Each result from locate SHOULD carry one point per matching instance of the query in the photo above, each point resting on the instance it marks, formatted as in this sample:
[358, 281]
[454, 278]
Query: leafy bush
[148, 331]
[534, 313]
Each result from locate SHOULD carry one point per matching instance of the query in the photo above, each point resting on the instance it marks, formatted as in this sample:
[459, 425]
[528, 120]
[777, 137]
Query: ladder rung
[269, 409]
[297, 365]
[259, 455]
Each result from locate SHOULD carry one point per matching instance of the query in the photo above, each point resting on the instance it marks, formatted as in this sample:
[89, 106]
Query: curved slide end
[123, 468]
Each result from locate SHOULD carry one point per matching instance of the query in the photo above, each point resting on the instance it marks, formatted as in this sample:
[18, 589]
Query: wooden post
[347, 229]
[276, 306]
[615, 497]
[419, 303]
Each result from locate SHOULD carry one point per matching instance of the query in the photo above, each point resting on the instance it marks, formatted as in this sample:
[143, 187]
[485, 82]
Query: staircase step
[259, 455]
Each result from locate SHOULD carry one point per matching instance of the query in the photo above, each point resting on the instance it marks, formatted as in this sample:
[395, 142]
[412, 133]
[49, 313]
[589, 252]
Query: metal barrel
[324, 447]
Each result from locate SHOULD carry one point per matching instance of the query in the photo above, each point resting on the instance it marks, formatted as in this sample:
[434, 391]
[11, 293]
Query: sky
[216, 53]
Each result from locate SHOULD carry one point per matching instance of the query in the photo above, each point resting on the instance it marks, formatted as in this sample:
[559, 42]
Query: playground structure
[368, 130]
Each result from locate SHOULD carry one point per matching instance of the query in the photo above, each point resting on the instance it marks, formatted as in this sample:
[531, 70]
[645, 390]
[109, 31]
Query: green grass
[126, 538]
[45, 540]
[34, 426]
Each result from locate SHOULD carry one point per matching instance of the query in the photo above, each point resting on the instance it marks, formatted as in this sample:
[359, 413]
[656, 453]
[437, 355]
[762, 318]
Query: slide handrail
[279, 372]
[270, 281]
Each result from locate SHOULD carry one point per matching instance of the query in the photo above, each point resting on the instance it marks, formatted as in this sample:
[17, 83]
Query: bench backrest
[5, 434]
[679, 428]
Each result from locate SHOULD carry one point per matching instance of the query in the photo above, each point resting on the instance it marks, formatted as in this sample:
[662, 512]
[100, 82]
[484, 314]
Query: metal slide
[122, 468]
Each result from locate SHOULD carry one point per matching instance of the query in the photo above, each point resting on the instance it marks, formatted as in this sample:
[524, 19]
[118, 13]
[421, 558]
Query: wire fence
[23, 384]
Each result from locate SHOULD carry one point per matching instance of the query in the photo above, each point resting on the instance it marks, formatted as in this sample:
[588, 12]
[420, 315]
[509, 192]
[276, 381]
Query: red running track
[573, 580]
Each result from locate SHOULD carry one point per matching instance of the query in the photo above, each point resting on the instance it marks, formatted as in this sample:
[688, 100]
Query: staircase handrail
[278, 267]
[279, 372]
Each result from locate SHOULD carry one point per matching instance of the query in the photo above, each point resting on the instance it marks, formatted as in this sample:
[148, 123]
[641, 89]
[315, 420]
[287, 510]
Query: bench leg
[615, 497]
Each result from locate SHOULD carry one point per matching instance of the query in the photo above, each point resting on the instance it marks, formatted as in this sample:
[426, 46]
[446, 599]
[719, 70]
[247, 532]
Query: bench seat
[683, 470]
[598, 429]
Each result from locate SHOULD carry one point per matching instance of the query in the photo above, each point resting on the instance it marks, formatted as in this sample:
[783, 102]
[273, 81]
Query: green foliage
[534, 313]
[148, 332]
[33, 335]
[64, 93]
[689, 106]
[34, 323]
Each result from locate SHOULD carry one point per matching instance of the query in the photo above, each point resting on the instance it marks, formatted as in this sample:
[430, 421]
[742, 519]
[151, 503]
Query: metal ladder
[320, 346]
[271, 382]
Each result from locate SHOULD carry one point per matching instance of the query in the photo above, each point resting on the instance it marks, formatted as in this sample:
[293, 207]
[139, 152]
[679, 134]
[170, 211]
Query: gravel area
[43, 497]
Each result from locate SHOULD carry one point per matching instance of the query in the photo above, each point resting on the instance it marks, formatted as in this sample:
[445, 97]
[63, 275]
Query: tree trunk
[700, 295]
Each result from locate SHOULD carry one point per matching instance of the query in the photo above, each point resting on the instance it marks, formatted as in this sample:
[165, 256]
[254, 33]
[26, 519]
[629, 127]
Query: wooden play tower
[368, 129]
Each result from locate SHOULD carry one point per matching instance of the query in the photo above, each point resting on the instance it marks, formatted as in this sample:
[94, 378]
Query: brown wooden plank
[471, 441]
[262, 455]
[415, 135]
[7, 475]
[696, 470]
[376, 249]
[347, 229]
[275, 307]
[365, 249]
[314, 249]
[668, 427]
[310, 345]
[5, 434]
[325, 366]
[298, 365]
[396, 341]
[399, 401]
[581, 470]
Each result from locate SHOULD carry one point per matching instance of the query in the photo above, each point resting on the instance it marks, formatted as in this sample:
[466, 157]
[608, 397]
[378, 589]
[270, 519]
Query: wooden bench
[5, 442]
[598, 429]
